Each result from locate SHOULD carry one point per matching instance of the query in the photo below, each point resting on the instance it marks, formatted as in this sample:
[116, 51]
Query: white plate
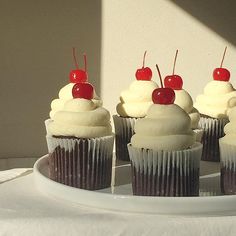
[120, 198]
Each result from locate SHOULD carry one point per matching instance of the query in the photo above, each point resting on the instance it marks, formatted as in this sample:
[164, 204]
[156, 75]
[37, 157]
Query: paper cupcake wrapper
[213, 130]
[81, 163]
[228, 168]
[199, 134]
[124, 130]
[47, 122]
[165, 173]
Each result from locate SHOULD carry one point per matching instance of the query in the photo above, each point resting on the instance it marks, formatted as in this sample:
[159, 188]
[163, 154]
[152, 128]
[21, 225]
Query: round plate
[119, 197]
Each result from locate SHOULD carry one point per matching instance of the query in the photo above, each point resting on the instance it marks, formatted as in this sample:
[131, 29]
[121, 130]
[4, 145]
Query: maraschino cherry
[164, 96]
[82, 90]
[79, 75]
[174, 81]
[145, 73]
[221, 74]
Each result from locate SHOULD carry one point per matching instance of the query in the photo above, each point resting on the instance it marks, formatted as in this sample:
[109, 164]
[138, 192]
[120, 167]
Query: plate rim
[212, 200]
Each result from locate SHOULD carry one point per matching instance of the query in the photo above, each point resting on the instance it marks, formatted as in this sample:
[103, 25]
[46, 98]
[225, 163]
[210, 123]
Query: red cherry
[82, 90]
[221, 74]
[163, 96]
[173, 81]
[144, 73]
[78, 75]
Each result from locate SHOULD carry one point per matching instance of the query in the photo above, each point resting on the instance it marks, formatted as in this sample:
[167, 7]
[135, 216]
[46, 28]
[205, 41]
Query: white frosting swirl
[215, 101]
[230, 129]
[65, 94]
[81, 118]
[137, 99]
[185, 101]
[166, 127]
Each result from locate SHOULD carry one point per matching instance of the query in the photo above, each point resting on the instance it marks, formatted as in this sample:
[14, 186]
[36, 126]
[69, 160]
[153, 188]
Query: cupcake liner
[213, 130]
[47, 122]
[124, 130]
[228, 168]
[81, 163]
[165, 173]
[199, 133]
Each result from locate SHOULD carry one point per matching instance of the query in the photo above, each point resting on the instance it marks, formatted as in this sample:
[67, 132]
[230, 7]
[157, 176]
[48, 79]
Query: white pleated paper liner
[213, 130]
[199, 134]
[81, 163]
[47, 122]
[228, 168]
[165, 173]
[124, 130]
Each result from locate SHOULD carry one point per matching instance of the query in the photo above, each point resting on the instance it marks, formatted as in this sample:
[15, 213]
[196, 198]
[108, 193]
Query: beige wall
[160, 27]
[35, 59]
[35, 54]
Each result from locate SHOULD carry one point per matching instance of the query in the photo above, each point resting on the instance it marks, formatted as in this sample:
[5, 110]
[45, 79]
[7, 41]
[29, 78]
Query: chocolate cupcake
[164, 155]
[228, 155]
[213, 106]
[133, 105]
[80, 142]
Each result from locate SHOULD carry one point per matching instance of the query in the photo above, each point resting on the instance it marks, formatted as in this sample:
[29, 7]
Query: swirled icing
[65, 94]
[215, 101]
[166, 127]
[185, 101]
[81, 118]
[230, 128]
[135, 101]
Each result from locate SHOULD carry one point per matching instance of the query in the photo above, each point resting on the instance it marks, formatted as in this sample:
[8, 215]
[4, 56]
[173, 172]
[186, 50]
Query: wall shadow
[217, 15]
[35, 60]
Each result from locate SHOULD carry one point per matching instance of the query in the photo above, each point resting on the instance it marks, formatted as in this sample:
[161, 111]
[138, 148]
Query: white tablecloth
[26, 211]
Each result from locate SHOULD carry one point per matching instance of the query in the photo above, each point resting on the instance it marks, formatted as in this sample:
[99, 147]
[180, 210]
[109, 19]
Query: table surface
[26, 211]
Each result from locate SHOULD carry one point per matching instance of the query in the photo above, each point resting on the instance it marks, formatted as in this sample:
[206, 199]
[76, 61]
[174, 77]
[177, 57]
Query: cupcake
[213, 106]
[133, 105]
[80, 142]
[164, 155]
[228, 155]
[184, 100]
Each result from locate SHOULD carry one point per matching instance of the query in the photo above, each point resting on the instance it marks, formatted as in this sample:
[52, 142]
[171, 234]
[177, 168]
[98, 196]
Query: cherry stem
[159, 73]
[144, 57]
[85, 62]
[221, 64]
[75, 60]
[176, 54]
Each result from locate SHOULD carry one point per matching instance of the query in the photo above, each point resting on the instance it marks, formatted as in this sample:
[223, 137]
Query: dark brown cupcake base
[165, 173]
[228, 180]
[83, 166]
[172, 185]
